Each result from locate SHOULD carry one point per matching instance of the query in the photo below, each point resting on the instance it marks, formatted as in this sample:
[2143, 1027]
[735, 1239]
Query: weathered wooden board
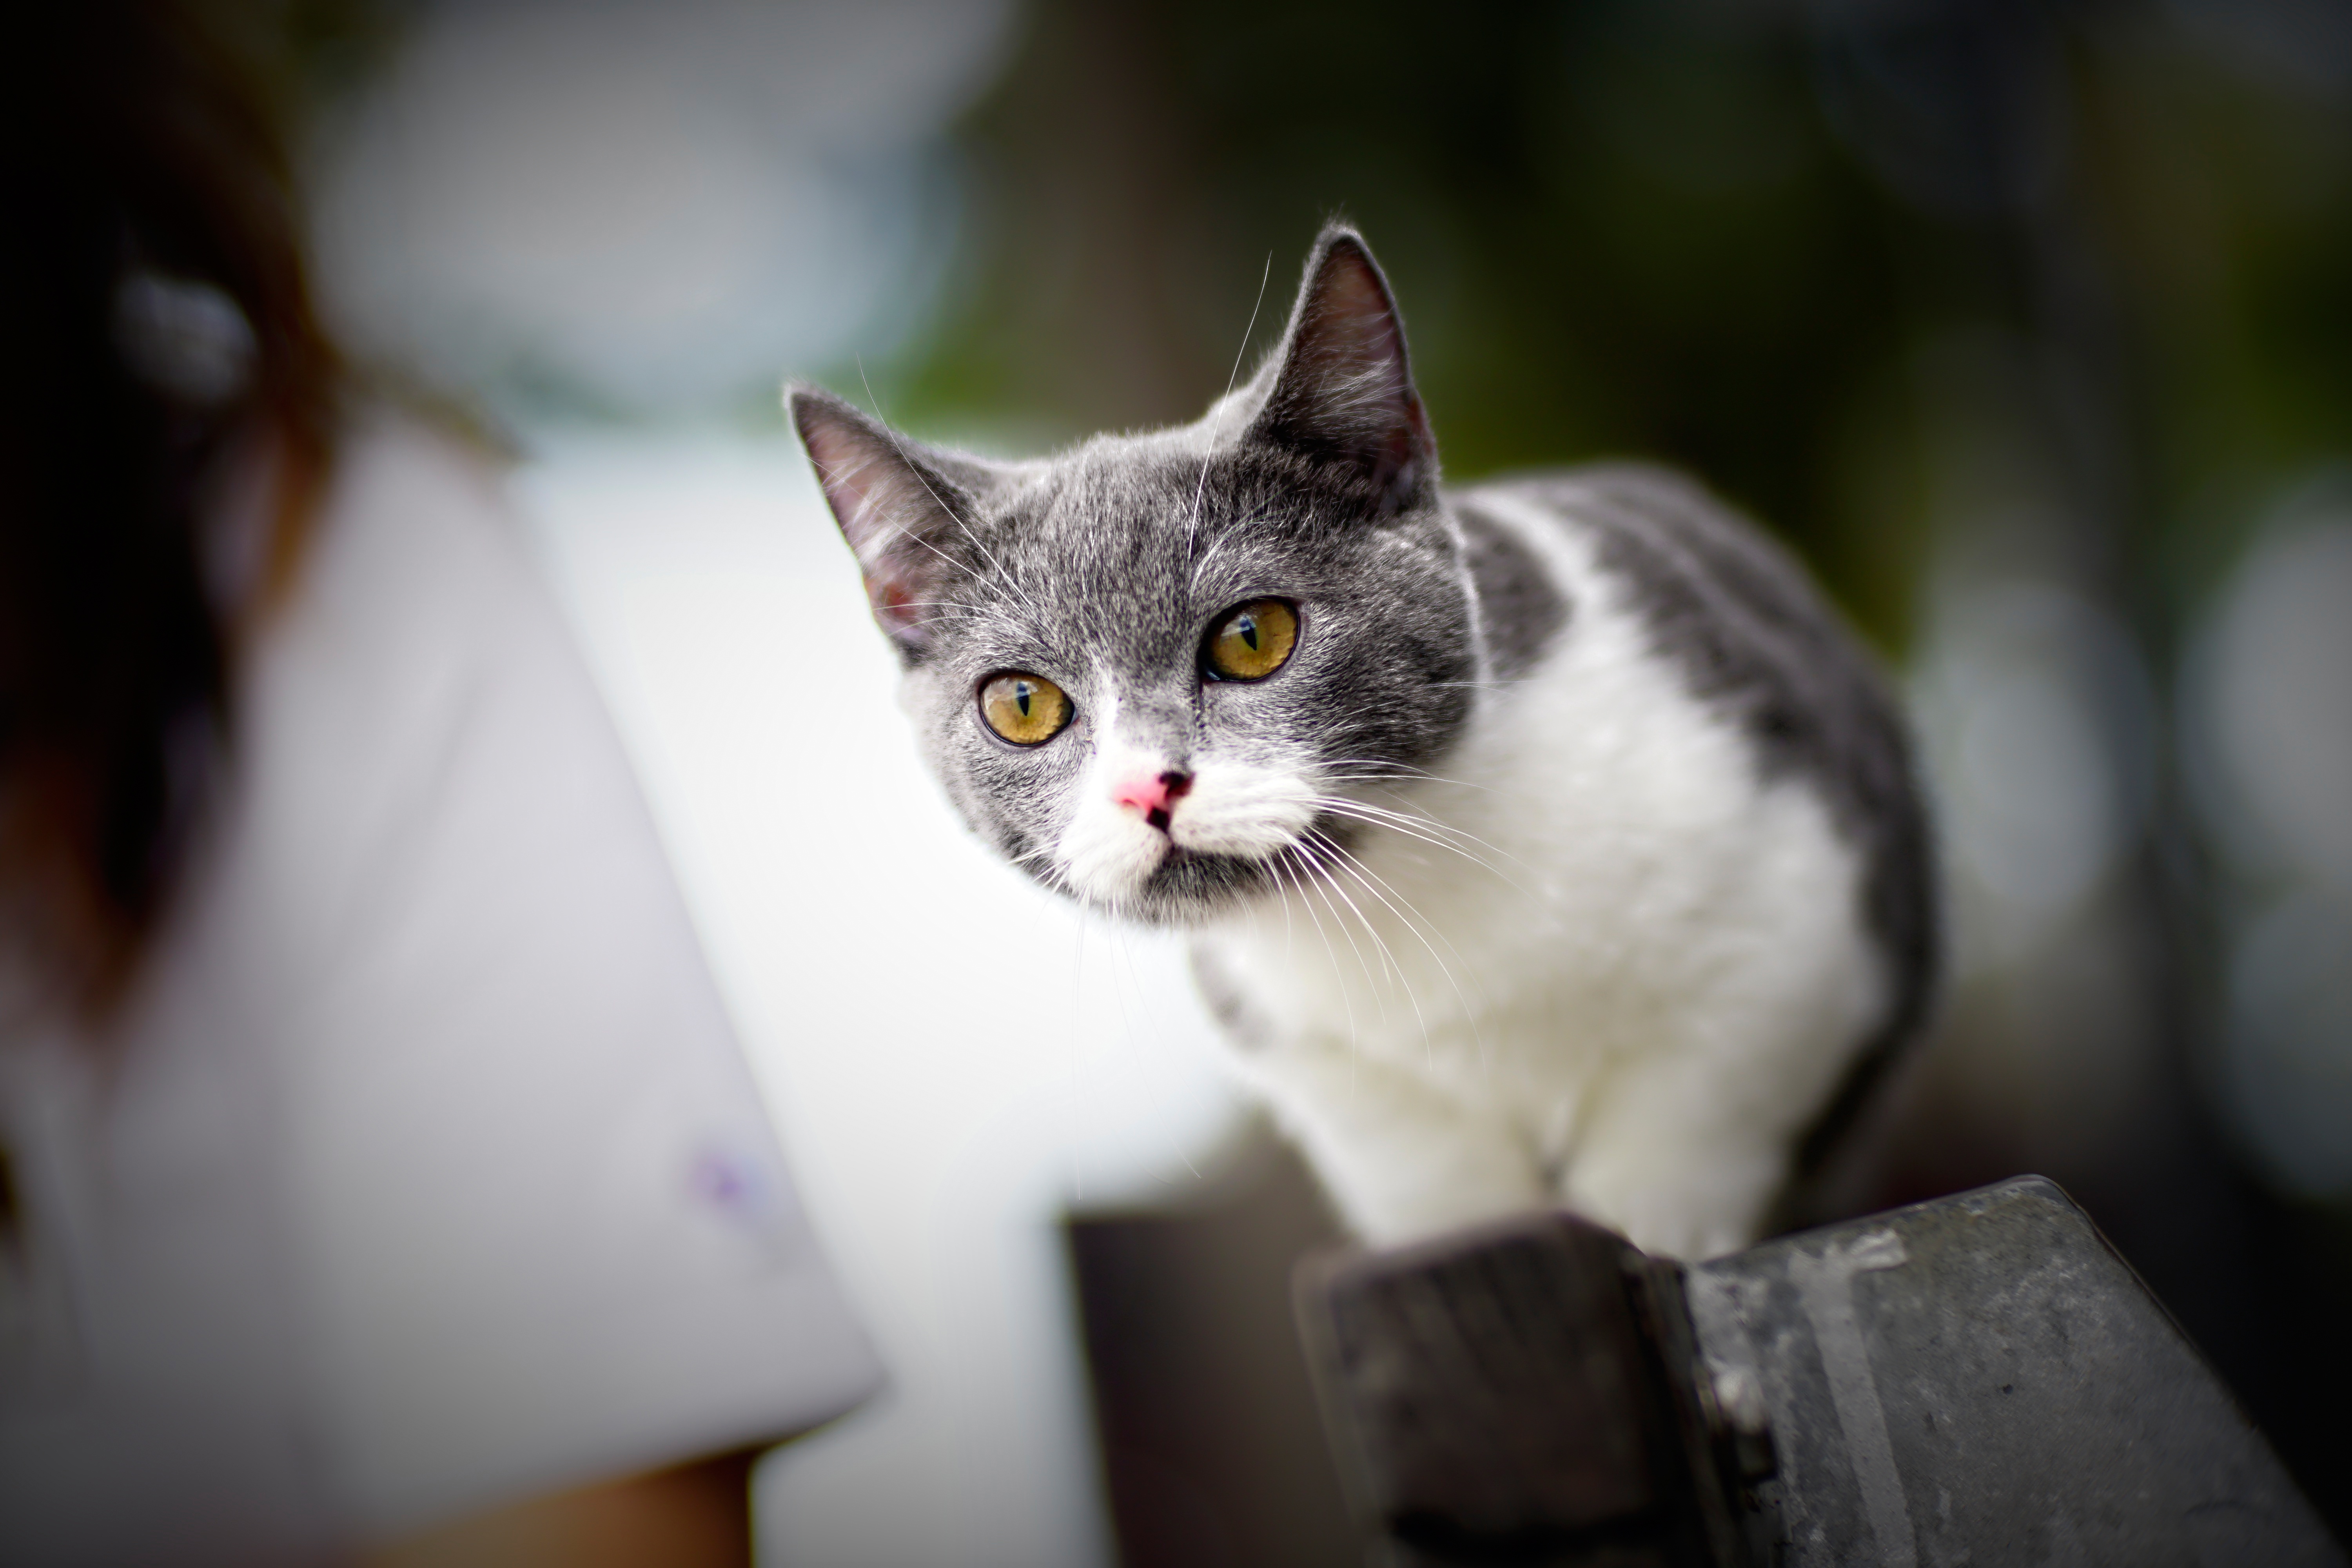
[1979, 1379]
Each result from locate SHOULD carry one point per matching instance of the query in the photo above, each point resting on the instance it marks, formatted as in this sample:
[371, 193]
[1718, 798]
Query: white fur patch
[1607, 967]
[1236, 808]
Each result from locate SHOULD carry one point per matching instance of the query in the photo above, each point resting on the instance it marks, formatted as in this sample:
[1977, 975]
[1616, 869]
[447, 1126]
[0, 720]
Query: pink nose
[1154, 795]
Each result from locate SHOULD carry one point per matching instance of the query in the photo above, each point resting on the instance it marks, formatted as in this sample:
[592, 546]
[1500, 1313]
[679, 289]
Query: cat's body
[1542, 841]
[1655, 992]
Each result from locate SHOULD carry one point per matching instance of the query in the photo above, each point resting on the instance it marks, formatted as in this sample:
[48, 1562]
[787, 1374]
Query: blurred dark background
[2029, 324]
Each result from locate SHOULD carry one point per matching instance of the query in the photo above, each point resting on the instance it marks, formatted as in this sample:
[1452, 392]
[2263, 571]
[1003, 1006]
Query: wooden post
[1518, 1393]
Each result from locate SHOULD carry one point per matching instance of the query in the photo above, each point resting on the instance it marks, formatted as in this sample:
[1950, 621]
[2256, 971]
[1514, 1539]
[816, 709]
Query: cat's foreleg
[1400, 1157]
[1677, 1165]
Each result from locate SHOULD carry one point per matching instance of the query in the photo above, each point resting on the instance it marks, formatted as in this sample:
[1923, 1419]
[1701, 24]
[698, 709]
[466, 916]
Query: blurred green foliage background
[1716, 234]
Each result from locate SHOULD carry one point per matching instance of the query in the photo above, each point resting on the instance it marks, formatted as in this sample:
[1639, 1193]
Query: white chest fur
[1597, 961]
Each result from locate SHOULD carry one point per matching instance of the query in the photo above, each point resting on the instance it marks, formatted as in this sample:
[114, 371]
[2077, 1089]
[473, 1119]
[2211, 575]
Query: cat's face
[1168, 674]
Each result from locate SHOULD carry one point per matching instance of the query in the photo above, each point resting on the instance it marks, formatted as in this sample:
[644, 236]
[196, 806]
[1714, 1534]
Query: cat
[1544, 841]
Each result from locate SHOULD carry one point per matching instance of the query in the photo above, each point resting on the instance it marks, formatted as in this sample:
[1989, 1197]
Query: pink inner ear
[855, 484]
[893, 604]
[865, 483]
[1354, 324]
[1357, 316]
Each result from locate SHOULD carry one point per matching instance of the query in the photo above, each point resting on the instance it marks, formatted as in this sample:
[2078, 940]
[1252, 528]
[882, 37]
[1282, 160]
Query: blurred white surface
[655, 209]
[952, 1054]
[649, 206]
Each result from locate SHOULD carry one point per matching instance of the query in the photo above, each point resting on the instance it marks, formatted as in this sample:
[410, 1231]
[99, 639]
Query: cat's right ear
[896, 510]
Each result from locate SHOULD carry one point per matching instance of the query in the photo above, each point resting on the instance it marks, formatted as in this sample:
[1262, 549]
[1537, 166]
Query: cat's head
[1169, 673]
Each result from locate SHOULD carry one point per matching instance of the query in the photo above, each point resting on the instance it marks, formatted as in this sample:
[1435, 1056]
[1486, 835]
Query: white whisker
[1422, 818]
[1325, 887]
[1388, 959]
[1392, 770]
[1347, 1007]
[1192, 526]
[1348, 810]
[1426, 831]
[1354, 865]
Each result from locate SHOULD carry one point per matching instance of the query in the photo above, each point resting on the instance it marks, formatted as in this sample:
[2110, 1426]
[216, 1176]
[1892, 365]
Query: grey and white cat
[1540, 841]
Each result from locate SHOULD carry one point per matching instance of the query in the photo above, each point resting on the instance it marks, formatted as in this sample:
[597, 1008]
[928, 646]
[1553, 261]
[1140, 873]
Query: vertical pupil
[1247, 629]
[1021, 692]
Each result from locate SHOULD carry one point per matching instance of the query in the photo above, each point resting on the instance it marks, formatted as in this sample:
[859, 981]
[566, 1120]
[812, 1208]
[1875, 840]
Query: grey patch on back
[1754, 639]
[1520, 609]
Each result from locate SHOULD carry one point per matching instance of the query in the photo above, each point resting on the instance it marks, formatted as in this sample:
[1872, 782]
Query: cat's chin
[1189, 888]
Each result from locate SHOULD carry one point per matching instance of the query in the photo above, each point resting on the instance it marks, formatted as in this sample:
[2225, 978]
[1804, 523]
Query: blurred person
[379, 1178]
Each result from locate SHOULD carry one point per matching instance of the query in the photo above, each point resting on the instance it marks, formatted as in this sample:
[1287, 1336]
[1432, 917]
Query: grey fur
[1520, 608]
[1750, 635]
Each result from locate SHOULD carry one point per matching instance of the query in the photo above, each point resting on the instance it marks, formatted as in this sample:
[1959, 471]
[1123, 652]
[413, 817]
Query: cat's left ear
[1344, 390]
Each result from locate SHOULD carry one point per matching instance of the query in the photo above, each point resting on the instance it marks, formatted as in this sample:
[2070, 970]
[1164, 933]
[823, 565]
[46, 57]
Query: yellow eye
[1026, 710]
[1253, 642]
